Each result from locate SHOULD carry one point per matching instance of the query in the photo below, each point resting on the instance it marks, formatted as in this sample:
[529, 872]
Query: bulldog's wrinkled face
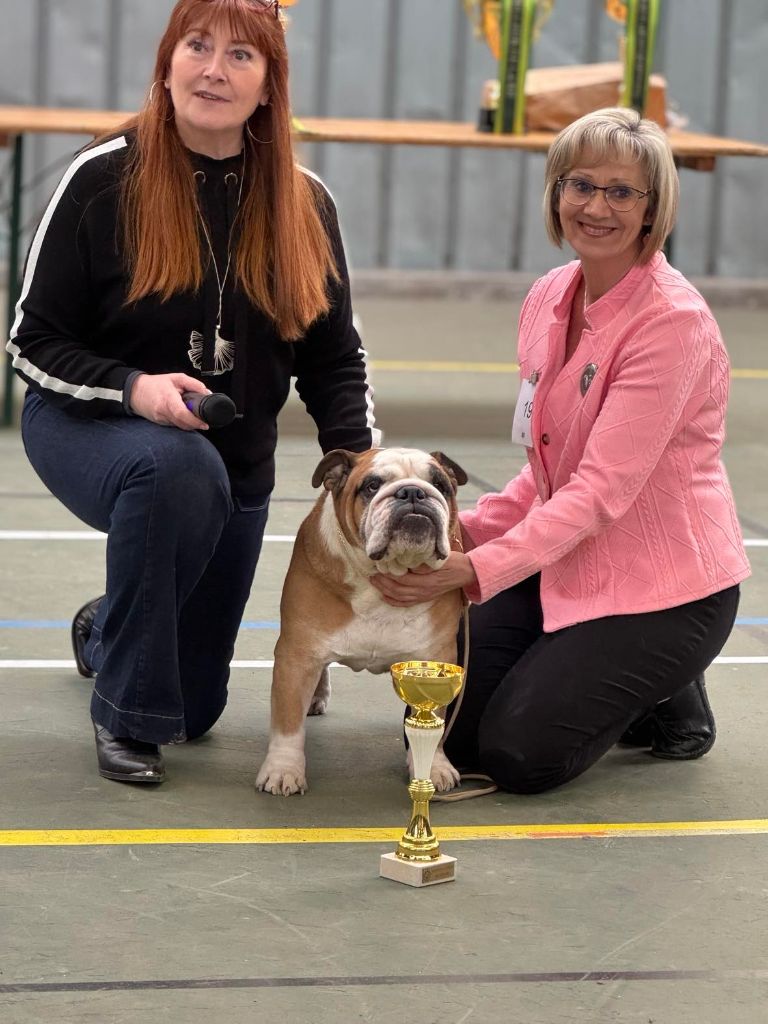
[398, 504]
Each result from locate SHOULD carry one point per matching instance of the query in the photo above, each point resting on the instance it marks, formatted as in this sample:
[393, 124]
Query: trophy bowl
[427, 685]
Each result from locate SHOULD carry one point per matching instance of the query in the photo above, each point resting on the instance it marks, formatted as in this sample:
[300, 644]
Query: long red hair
[284, 258]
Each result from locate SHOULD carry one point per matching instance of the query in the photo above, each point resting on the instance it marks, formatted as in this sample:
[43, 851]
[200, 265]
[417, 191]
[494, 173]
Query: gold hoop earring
[261, 142]
[152, 101]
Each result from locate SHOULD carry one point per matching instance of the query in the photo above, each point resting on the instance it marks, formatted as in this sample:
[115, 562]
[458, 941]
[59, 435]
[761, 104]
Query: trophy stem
[419, 842]
[424, 738]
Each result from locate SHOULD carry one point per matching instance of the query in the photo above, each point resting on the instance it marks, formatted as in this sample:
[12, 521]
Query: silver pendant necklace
[223, 350]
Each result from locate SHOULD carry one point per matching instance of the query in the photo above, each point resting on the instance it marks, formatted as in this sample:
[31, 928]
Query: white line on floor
[56, 663]
[270, 538]
[274, 538]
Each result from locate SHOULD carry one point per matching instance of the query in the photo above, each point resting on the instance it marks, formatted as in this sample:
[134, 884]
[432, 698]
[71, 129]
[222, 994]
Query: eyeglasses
[621, 198]
[269, 5]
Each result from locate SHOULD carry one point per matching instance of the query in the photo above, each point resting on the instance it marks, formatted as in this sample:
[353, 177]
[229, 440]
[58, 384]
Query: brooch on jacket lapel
[587, 376]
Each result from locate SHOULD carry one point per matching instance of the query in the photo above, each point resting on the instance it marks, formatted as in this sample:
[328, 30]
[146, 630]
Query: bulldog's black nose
[410, 493]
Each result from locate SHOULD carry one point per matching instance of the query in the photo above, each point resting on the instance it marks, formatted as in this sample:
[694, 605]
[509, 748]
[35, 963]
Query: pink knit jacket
[624, 505]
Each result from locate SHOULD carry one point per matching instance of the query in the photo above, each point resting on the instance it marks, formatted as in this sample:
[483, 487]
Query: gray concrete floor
[664, 929]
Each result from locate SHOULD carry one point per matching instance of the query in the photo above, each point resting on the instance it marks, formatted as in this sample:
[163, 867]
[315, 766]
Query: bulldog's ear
[453, 469]
[332, 470]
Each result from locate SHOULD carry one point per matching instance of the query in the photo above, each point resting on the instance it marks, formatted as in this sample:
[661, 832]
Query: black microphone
[216, 410]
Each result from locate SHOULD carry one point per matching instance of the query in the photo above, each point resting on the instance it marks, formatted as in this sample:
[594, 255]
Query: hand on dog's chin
[423, 584]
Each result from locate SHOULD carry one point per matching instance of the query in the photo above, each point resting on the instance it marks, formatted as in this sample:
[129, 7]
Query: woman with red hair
[188, 252]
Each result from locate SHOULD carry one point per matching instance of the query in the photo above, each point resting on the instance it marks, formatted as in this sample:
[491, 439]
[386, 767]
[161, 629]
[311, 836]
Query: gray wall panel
[308, 62]
[744, 205]
[141, 25]
[691, 70]
[408, 207]
[487, 202]
[352, 174]
[357, 58]
[488, 210]
[419, 213]
[423, 71]
[536, 251]
[17, 51]
[356, 87]
[77, 48]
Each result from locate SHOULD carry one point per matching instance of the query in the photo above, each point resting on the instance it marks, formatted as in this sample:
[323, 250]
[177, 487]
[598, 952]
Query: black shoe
[681, 728]
[684, 726]
[127, 760]
[82, 624]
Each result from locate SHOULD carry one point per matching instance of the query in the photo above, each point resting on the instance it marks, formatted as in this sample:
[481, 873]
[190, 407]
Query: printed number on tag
[522, 423]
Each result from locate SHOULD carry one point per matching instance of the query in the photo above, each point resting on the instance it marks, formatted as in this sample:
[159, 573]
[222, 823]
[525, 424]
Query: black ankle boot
[684, 726]
[127, 760]
[681, 728]
[82, 625]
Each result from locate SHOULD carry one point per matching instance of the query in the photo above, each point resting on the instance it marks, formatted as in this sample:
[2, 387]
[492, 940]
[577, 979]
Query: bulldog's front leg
[293, 684]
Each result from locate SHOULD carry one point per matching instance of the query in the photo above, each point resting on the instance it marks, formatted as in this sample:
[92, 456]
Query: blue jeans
[181, 555]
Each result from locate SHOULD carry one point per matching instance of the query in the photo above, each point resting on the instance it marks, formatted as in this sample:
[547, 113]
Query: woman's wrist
[465, 572]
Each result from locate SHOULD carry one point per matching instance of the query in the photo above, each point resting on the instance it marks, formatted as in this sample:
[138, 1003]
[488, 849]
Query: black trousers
[540, 708]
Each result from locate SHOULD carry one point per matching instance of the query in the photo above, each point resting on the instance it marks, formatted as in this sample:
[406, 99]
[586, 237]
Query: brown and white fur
[385, 510]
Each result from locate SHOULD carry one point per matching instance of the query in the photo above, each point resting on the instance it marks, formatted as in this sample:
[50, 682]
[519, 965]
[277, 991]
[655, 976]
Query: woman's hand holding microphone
[176, 400]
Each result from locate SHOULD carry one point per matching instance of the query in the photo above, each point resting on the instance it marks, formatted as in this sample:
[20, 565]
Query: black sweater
[78, 345]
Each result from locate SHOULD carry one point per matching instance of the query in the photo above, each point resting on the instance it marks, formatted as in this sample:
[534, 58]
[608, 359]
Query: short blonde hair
[616, 133]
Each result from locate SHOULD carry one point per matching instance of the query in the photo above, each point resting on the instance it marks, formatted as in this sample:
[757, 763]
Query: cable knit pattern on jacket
[624, 505]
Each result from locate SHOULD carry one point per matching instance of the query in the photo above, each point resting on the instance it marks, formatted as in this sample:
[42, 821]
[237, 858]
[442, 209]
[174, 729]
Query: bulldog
[384, 510]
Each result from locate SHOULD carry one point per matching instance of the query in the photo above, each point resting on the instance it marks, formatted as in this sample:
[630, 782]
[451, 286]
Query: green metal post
[14, 282]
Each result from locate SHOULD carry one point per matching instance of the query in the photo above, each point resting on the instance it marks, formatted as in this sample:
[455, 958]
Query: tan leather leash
[454, 795]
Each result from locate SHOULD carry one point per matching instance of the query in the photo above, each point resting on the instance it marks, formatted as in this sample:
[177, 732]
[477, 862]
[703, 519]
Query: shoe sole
[120, 777]
[693, 756]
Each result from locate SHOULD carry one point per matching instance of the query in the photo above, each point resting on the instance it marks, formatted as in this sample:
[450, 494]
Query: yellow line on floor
[464, 833]
[436, 366]
[750, 374]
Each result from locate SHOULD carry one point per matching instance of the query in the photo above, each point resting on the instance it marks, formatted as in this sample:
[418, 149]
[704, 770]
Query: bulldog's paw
[444, 776]
[281, 778]
[322, 695]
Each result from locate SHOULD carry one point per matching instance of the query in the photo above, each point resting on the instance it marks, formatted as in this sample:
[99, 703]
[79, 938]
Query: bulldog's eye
[443, 486]
[371, 485]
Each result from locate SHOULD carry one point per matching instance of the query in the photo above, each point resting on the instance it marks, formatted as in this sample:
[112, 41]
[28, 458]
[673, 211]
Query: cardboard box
[556, 96]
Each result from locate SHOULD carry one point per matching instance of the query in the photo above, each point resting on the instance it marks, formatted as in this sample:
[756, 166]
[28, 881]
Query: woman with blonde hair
[186, 253]
[605, 576]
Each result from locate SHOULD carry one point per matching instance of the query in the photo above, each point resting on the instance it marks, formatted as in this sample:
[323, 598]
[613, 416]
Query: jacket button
[545, 438]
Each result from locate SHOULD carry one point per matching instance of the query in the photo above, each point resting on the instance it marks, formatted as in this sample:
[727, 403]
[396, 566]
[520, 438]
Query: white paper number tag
[521, 425]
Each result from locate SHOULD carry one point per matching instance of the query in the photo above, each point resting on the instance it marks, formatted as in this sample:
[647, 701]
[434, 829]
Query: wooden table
[691, 149]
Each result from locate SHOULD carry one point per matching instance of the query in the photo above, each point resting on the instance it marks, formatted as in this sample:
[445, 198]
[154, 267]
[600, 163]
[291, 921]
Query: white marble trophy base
[418, 873]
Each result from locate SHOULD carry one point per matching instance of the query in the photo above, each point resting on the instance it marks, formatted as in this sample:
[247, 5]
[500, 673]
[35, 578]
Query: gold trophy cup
[424, 686]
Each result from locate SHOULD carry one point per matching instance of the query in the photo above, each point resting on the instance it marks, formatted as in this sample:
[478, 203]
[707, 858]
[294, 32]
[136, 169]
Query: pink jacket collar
[602, 312]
